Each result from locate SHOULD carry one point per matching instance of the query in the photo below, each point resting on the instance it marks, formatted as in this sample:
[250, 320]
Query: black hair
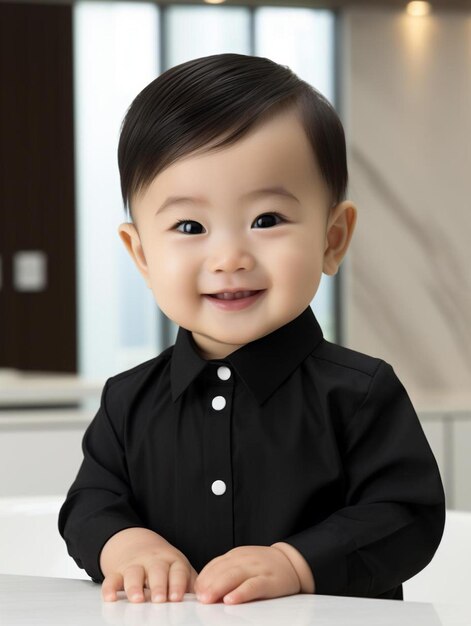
[222, 96]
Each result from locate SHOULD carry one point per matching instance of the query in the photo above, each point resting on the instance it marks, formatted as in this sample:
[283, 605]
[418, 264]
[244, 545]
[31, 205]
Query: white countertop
[31, 600]
[45, 388]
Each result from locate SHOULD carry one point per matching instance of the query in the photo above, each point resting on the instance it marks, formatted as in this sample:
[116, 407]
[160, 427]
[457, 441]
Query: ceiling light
[418, 9]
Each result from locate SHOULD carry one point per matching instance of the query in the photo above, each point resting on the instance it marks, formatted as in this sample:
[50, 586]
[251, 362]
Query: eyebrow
[276, 190]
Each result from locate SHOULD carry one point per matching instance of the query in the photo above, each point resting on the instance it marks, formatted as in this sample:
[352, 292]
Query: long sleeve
[317, 446]
[393, 518]
[99, 503]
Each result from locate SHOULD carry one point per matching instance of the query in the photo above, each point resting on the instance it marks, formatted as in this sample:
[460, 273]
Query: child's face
[272, 246]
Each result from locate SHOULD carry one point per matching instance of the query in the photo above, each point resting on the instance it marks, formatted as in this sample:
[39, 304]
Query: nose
[230, 256]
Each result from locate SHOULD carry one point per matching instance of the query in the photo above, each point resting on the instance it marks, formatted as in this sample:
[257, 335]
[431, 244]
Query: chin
[231, 339]
[242, 338]
[238, 339]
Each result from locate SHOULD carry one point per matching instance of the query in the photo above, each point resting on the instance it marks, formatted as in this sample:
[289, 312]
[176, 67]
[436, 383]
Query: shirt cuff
[93, 538]
[326, 554]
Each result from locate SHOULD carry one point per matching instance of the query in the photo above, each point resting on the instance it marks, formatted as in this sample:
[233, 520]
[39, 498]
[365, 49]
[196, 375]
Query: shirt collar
[262, 364]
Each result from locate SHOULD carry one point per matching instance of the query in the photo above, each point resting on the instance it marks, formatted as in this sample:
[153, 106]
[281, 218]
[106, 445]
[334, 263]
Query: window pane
[115, 56]
[302, 39]
[199, 31]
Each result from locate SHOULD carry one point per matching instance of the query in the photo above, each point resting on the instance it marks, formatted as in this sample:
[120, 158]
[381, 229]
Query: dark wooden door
[37, 212]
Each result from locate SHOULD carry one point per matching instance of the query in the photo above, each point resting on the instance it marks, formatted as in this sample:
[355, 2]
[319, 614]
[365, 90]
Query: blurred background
[73, 308]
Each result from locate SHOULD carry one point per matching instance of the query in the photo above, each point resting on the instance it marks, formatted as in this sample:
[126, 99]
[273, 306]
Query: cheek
[298, 268]
[170, 274]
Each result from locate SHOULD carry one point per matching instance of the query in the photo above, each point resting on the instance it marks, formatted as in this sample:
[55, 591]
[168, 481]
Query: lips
[233, 295]
[234, 300]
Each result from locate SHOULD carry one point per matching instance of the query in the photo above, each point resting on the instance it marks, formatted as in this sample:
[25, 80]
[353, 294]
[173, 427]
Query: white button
[218, 403]
[218, 487]
[224, 372]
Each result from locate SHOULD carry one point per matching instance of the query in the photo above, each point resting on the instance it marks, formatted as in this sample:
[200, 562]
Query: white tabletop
[31, 600]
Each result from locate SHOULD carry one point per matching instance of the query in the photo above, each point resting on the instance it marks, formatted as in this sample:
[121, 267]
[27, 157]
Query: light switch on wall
[30, 270]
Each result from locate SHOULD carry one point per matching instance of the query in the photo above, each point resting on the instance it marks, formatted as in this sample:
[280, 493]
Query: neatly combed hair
[222, 96]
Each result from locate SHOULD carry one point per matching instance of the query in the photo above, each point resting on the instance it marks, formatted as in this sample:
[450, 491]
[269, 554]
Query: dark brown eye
[267, 220]
[189, 227]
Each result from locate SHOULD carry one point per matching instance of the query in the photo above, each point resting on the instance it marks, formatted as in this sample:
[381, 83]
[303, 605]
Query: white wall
[40, 451]
[407, 95]
[408, 98]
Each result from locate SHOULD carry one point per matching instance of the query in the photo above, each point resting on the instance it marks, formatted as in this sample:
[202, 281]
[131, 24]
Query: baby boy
[253, 459]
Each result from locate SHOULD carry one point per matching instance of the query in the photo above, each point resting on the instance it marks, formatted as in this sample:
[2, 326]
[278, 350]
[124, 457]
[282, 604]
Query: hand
[136, 558]
[247, 573]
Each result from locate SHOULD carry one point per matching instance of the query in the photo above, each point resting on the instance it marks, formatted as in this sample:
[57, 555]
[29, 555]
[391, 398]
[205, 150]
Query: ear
[340, 226]
[132, 242]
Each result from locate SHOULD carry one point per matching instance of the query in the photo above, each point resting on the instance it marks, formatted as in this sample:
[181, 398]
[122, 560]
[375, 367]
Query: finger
[222, 584]
[110, 587]
[158, 581]
[209, 573]
[251, 589]
[134, 577]
[191, 584]
[177, 581]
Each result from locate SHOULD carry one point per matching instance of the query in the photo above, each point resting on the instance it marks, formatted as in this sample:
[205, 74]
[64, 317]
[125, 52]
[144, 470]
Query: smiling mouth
[235, 295]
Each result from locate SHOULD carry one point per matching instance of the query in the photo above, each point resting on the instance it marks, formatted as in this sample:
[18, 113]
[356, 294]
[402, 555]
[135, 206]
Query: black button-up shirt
[290, 438]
